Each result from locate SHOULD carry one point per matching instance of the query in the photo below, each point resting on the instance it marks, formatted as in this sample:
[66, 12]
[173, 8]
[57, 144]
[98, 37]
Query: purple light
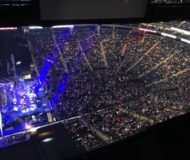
[7, 28]
[28, 96]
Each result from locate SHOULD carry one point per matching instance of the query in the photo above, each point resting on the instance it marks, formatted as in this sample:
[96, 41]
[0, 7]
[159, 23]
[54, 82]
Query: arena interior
[104, 83]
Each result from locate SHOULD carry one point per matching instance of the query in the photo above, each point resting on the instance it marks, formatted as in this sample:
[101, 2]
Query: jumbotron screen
[103, 82]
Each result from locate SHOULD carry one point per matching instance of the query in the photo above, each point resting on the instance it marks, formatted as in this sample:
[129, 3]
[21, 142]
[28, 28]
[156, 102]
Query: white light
[33, 130]
[33, 118]
[31, 95]
[44, 104]
[18, 63]
[63, 26]
[35, 27]
[12, 85]
[180, 30]
[32, 109]
[21, 79]
[185, 40]
[14, 100]
[47, 140]
[168, 35]
[33, 105]
[15, 108]
[28, 76]
[25, 111]
[27, 126]
[40, 89]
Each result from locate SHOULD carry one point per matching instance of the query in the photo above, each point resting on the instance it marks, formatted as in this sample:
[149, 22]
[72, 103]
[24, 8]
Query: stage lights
[25, 110]
[63, 26]
[28, 76]
[30, 128]
[33, 130]
[27, 126]
[15, 108]
[47, 140]
[18, 63]
[35, 27]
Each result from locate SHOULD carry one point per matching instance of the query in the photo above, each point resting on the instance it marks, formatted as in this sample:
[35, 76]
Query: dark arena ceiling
[47, 12]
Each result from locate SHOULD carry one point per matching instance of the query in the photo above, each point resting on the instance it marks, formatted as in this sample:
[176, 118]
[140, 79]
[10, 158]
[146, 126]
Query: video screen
[103, 82]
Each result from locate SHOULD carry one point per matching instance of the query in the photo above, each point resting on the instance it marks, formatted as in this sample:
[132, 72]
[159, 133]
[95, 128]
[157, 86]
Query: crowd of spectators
[112, 101]
[110, 83]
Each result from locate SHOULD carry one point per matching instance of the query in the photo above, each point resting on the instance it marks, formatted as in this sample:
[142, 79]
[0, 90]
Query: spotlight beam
[166, 79]
[142, 57]
[102, 47]
[59, 51]
[156, 66]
